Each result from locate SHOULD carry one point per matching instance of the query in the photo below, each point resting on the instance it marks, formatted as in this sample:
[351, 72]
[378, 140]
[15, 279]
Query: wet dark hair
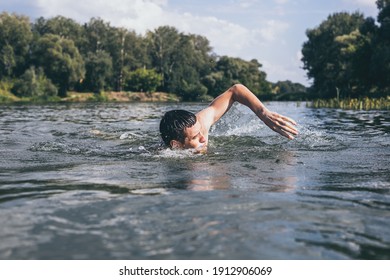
[174, 123]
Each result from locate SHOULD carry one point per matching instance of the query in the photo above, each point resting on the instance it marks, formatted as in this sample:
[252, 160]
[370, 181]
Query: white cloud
[368, 3]
[137, 14]
[247, 3]
[226, 37]
[363, 3]
[273, 29]
[281, 1]
[298, 56]
[280, 72]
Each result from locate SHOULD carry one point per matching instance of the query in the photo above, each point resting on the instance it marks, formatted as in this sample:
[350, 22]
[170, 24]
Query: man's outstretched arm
[239, 93]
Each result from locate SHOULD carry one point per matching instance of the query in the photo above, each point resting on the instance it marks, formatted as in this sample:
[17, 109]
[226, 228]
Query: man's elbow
[238, 88]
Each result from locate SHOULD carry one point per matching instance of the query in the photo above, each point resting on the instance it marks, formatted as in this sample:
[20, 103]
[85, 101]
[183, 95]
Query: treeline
[49, 57]
[348, 55]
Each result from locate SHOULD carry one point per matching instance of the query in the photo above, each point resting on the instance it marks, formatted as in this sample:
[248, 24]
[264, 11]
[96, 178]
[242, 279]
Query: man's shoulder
[206, 117]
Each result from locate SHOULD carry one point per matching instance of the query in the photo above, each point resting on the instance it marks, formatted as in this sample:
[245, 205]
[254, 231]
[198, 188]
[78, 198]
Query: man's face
[194, 138]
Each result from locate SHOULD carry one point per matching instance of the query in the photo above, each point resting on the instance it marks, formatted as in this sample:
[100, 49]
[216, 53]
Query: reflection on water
[199, 175]
[92, 181]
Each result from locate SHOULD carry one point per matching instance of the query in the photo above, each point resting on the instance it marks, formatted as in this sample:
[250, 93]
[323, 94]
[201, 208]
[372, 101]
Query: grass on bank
[366, 103]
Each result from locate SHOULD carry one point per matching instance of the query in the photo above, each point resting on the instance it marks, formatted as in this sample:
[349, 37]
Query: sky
[271, 31]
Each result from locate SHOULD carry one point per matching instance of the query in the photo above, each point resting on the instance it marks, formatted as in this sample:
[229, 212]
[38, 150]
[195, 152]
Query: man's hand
[279, 123]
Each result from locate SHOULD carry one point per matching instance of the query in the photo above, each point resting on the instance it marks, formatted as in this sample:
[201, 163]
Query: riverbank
[114, 96]
[111, 96]
[366, 103]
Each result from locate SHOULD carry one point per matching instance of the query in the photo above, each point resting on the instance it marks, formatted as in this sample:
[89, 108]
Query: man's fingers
[286, 124]
[292, 130]
[283, 129]
[284, 133]
[289, 120]
[283, 125]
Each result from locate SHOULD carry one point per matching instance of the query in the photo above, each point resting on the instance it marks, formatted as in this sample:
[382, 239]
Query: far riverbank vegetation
[346, 57]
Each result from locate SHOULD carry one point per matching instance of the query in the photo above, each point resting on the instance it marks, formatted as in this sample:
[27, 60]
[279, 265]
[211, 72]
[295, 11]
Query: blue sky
[272, 31]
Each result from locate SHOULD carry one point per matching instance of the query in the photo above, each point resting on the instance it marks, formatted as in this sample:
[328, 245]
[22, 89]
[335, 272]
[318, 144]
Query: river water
[88, 181]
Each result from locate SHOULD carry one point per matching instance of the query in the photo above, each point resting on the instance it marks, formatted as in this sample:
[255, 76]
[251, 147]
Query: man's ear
[176, 144]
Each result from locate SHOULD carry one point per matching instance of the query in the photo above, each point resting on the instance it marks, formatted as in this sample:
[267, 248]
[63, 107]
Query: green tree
[181, 59]
[64, 27]
[162, 44]
[7, 61]
[185, 77]
[380, 65]
[348, 77]
[34, 83]
[97, 33]
[15, 39]
[99, 39]
[360, 52]
[203, 57]
[288, 87]
[98, 68]
[384, 14]
[128, 53]
[128, 50]
[229, 71]
[326, 54]
[287, 90]
[143, 80]
[61, 61]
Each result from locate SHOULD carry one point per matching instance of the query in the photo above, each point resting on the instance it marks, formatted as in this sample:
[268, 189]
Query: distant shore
[110, 96]
[366, 103]
[122, 96]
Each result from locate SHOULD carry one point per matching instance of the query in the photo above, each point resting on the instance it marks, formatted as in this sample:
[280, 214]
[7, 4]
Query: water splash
[57, 147]
[177, 154]
[129, 135]
[316, 139]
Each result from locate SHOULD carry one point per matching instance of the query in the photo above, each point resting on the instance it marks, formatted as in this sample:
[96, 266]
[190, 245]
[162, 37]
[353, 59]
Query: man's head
[180, 129]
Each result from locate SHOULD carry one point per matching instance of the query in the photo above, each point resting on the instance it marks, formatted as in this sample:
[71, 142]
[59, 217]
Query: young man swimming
[185, 130]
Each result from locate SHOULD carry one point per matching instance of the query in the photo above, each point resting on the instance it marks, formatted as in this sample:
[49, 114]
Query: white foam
[169, 153]
[128, 135]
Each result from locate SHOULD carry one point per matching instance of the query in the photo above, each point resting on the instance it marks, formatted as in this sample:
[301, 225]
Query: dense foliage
[49, 57]
[348, 55]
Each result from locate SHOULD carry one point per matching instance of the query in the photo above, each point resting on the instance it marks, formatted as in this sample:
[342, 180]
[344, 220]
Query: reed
[365, 103]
